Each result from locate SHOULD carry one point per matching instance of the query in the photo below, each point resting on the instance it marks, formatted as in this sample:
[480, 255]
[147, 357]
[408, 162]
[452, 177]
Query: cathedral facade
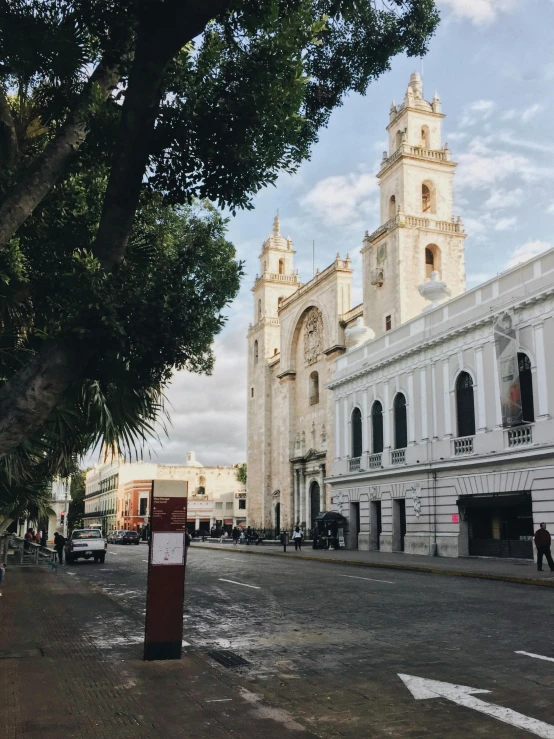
[299, 330]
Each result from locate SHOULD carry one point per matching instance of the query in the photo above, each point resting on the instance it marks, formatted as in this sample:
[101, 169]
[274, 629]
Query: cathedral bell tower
[418, 232]
[275, 282]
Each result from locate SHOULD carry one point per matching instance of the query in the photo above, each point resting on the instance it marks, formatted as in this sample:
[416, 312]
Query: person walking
[542, 542]
[284, 540]
[297, 538]
[59, 543]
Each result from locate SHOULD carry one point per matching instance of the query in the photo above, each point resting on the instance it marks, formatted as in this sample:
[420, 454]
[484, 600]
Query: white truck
[85, 543]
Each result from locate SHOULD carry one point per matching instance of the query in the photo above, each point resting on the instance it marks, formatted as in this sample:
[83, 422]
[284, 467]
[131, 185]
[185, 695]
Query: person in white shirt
[297, 537]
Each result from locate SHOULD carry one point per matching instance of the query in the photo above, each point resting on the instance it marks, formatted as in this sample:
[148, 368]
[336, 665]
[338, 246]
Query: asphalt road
[328, 642]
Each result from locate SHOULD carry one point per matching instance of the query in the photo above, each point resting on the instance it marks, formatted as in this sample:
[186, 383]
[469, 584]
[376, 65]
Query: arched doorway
[315, 506]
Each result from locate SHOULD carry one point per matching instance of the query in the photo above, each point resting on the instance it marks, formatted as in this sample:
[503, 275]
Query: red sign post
[165, 594]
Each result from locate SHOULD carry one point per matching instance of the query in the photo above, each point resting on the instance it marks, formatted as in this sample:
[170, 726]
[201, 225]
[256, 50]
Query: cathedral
[300, 329]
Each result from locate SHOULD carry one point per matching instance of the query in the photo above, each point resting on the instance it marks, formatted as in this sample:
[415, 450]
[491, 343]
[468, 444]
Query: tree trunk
[9, 146]
[33, 186]
[28, 398]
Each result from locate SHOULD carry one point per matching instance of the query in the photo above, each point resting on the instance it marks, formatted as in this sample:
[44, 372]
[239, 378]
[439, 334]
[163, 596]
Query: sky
[494, 71]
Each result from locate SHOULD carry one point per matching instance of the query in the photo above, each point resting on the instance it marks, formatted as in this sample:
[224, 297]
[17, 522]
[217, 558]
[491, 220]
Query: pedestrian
[59, 543]
[43, 539]
[187, 540]
[236, 536]
[29, 537]
[297, 538]
[315, 538]
[542, 542]
[284, 540]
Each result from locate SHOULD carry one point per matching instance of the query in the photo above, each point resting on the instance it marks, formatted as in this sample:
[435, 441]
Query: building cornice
[441, 338]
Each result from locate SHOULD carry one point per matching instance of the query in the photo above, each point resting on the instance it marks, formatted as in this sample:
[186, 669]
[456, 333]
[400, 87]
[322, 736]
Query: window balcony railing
[375, 461]
[354, 464]
[398, 456]
[463, 445]
[520, 436]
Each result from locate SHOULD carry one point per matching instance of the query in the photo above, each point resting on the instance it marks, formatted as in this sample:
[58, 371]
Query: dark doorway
[526, 388]
[354, 525]
[277, 520]
[356, 433]
[375, 524]
[398, 524]
[400, 422]
[377, 427]
[499, 525]
[314, 503]
[465, 406]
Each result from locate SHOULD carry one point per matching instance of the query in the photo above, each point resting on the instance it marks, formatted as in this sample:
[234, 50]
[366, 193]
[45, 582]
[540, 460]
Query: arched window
[314, 388]
[281, 267]
[392, 206]
[425, 141]
[256, 352]
[465, 406]
[400, 422]
[429, 262]
[356, 433]
[259, 309]
[398, 139]
[526, 388]
[377, 427]
[427, 198]
[432, 260]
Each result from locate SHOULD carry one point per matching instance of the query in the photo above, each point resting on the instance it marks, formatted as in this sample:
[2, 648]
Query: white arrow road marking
[422, 688]
[537, 656]
[371, 579]
[244, 585]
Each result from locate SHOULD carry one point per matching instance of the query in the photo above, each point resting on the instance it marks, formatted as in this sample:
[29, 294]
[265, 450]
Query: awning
[330, 516]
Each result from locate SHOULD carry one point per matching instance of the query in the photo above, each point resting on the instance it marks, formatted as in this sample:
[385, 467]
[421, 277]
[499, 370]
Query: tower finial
[276, 225]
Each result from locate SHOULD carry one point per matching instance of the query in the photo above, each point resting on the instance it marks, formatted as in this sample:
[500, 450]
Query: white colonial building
[425, 461]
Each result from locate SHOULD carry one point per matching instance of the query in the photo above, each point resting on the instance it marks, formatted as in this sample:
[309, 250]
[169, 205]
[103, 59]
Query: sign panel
[508, 369]
[166, 570]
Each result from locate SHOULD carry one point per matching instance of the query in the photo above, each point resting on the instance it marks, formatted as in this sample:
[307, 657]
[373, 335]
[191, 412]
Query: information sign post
[165, 593]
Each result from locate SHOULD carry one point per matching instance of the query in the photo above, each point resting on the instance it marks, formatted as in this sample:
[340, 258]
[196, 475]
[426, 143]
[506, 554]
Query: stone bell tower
[418, 233]
[276, 281]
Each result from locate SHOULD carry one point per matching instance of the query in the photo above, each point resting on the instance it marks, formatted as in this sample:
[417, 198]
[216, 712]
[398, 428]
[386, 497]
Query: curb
[395, 566]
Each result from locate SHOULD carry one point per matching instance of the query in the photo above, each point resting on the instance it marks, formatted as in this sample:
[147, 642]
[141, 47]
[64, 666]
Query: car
[85, 543]
[130, 537]
[115, 537]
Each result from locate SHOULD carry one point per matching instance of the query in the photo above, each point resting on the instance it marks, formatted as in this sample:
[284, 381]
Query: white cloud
[499, 199]
[527, 251]
[477, 111]
[479, 12]
[550, 208]
[478, 171]
[505, 223]
[528, 113]
[338, 200]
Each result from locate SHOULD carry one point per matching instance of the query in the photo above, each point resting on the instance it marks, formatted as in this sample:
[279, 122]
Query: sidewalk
[484, 568]
[70, 666]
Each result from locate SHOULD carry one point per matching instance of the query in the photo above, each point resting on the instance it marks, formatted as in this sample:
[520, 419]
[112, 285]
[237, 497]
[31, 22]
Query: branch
[160, 37]
[43, 174]
[9, 147]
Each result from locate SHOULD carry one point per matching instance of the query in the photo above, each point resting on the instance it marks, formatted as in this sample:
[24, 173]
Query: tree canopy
[116, 118]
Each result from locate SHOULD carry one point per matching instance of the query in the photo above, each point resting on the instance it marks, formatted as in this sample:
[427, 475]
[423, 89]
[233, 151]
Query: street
[328, 643]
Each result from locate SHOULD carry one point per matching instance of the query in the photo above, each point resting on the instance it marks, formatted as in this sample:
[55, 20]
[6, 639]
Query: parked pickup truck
[85, 543]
